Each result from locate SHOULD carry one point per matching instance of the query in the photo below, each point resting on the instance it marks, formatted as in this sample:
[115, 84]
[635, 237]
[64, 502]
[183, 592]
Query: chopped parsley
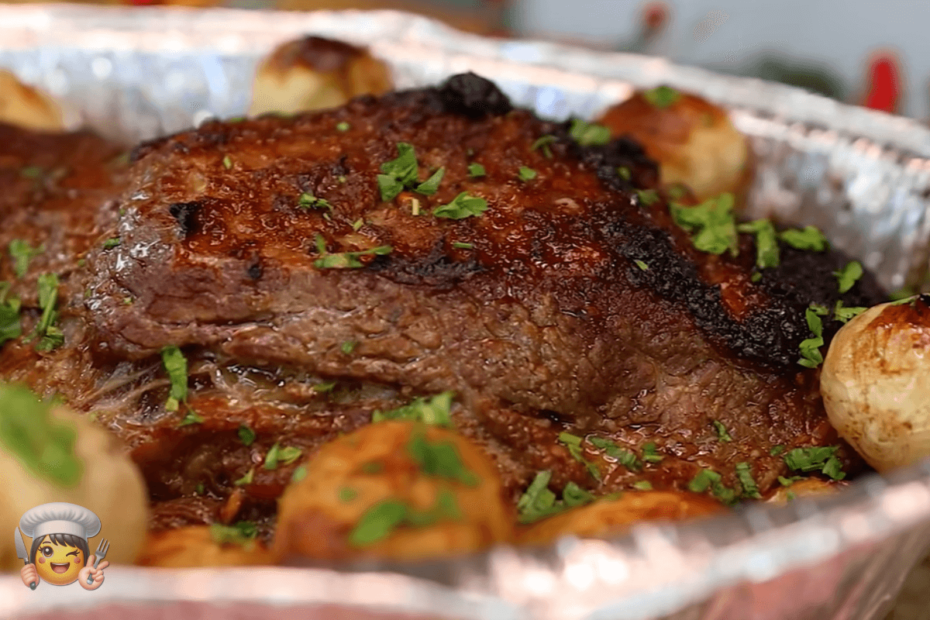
[573, 443]
[278, 455]
[372, 467]
[345, 260]
[348, 346]
[822, 459]
[309, 201]
[439, 459]
[357, 224]
[775, 451]
[111, 243]
[643, 485]
[248, 478]
[431, 185]
[435, 411]
[227, 162]
[476, 170]
[246, 435]
[624, 457]
[787, 482]
[462, 206]
[641, 265]
[300, 472]
[343, 126]
[744, 474]
[650, 455]
[379, 521]
[543, 143]
[712, 223]
[32, 172]
[848, 275]
[722, 434]
[573, 495]
[10, 326]
[589, 134]
[461, 245]
[43, 444]
[347, 494]
[190, 418]
[538, 502]
[766, 242]
[22, 253]
[321, 388]
[647, 197]
[662, 96]
[811, 357]
[176, 366]
[50, 335]
[808, 238]
[241, 533]
[624, 173]
[709, 479]
[398, 173]
[755, 277]
[844, 314]
[526, 174]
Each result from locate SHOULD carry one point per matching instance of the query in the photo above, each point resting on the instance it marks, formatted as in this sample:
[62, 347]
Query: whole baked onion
[876, 383]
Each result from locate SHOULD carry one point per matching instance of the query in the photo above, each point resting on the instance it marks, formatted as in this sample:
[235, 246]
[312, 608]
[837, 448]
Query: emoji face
[58, 564]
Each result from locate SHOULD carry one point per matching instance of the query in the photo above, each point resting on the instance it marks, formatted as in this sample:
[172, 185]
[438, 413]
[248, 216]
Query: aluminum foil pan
[862, 176]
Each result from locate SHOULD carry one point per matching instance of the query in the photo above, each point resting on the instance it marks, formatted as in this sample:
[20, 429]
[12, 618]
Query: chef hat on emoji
[59, 518]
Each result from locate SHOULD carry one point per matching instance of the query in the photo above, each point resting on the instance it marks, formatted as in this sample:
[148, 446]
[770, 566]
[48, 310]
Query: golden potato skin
[611, 517]
[809, 487]
[27, 107]
[314, 522]
[194, 547]
[315, 73]
[693, 141]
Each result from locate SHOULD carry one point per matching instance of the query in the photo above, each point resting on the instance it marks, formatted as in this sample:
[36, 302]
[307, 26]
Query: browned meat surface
[543, 323]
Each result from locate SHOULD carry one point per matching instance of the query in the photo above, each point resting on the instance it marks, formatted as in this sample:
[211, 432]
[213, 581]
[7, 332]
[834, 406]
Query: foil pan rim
[807, 531]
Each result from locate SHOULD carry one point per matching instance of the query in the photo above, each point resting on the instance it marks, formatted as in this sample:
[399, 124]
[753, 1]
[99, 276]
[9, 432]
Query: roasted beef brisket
[572, 303]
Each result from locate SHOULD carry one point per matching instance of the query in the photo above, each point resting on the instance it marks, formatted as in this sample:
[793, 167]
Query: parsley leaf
[543, 142]
[750, 488]
[712, 222]
[277, 454]
[462, 206]
[398, 173]
[436, 411]
[808, 238]
[190, 418]
[845, 314]
[345, 260]
[647, 197]
[573, 495]
[787, 482]
[176, 366]
[343, 126]
[642, 485]
[709, 479]
[766, 242]
[848, 275]
[662, 96]
[624, 457]
[22, 253]
[641, 265]
[378, 522]
[537, 500]
[389, 187]
[526, 174]
[248, 478]
[476, 170]
[227, 162]
[246, 435]
[624, 173]
[347, 494]
[722, 433]
[461, 245]
[439, 459]
[111, 243]
[10, 326]
[41, 443]
[811, 357]
[431, 185]
[819, 458]
[573, 443]
[50, 336]
[309, 201]
[299, 474]
[348, 346]
[241, 533]
[650, 455]
[775, 451]
[589, 134]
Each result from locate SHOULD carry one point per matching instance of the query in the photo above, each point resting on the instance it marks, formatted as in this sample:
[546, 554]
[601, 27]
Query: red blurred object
[655, 16]
[883, 90]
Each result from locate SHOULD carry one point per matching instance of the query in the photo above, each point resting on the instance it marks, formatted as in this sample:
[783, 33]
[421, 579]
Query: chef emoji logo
[59, 554]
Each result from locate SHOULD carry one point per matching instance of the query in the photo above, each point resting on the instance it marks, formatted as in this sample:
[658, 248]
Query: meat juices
[537, 313]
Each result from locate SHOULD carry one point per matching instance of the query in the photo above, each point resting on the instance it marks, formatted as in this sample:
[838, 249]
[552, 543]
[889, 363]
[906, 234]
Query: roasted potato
[198, 546]
[808, 487]
[49, 454]
[875, 383]
[610, 517]
[315, 73]
[393, 490]
[693, 141]
[26, 106]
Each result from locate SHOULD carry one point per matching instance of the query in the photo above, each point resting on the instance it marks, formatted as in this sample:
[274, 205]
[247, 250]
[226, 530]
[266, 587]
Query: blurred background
[866, 53]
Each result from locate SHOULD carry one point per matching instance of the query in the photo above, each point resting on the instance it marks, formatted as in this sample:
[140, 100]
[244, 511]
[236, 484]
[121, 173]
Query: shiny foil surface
[861, 176]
